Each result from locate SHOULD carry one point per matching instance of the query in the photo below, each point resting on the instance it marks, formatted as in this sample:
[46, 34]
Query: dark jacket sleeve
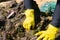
[56, 15]
[28, 4]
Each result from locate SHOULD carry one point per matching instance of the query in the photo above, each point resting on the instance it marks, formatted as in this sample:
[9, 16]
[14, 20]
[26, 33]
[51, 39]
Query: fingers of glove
[46, 38]
[28, 27]
[39, 33]
[49, 39]
[41, 36]
[24, 25]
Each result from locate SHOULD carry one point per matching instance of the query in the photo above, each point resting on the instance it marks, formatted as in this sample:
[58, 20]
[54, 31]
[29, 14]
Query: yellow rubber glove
[29, 21]
[49, 34]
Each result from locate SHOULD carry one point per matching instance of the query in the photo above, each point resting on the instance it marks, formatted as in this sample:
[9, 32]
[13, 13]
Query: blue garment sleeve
[56, 15]
[28, 4]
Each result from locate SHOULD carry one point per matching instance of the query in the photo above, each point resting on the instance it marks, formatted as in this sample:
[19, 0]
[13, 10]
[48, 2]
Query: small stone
[24, 38]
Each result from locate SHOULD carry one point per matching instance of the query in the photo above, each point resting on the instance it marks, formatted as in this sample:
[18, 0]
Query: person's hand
[29, 21]
[49, 34]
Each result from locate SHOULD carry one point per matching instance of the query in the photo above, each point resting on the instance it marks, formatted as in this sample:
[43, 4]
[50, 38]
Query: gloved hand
[49, 34]
[29, 21]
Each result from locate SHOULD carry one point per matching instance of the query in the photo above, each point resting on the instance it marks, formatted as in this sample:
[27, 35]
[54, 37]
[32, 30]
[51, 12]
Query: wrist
[52, 28]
